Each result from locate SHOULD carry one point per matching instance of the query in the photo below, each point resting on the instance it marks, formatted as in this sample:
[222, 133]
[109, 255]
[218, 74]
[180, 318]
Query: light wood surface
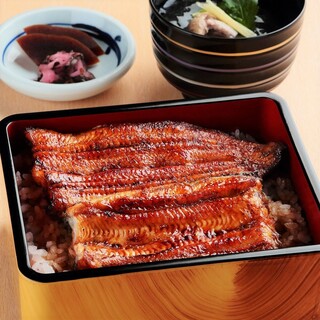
[143, 83]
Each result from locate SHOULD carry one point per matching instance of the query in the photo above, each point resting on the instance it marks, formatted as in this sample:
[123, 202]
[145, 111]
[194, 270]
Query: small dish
[19, 72]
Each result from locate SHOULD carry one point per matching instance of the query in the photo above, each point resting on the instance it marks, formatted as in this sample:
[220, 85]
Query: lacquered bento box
[271, 284]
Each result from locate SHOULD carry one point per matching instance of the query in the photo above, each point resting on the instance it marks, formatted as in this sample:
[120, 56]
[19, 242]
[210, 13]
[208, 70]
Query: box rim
[81, 274]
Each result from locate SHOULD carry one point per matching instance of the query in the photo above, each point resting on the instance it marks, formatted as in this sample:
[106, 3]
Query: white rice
[286, 211]
[48, 238]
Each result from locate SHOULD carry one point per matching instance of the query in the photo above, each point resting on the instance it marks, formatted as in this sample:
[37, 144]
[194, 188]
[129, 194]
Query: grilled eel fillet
[258, 236]
[154, 191]
[129, 134]
[144, 221]
[160, 224]
[114, 158]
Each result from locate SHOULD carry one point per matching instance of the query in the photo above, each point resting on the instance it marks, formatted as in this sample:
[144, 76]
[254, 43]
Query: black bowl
[193, 90]
[227, 75]
[214, 60]
[209, 66]
[285, 18]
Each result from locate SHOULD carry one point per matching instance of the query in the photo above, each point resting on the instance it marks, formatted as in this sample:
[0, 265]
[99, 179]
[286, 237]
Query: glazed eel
[143, 192]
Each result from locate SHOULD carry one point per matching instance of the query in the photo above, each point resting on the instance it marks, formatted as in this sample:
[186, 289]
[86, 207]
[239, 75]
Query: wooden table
[143, 83]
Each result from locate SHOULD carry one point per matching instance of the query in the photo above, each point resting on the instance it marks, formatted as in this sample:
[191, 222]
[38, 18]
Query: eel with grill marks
[257, 157]
[141, 192]
[72, 193]
[133, 176]
[209, 217]
[130, 134]
[175, 193]
[171, 222]
[257, 236]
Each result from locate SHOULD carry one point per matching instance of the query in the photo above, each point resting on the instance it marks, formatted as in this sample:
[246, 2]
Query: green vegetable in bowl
[236, 7]
[243, 11]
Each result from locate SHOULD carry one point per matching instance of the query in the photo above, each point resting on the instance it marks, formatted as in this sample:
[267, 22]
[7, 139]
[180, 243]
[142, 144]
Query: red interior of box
[260, 117]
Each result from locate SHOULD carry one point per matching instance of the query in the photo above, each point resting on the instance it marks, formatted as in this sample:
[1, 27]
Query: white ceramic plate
[19, 72]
